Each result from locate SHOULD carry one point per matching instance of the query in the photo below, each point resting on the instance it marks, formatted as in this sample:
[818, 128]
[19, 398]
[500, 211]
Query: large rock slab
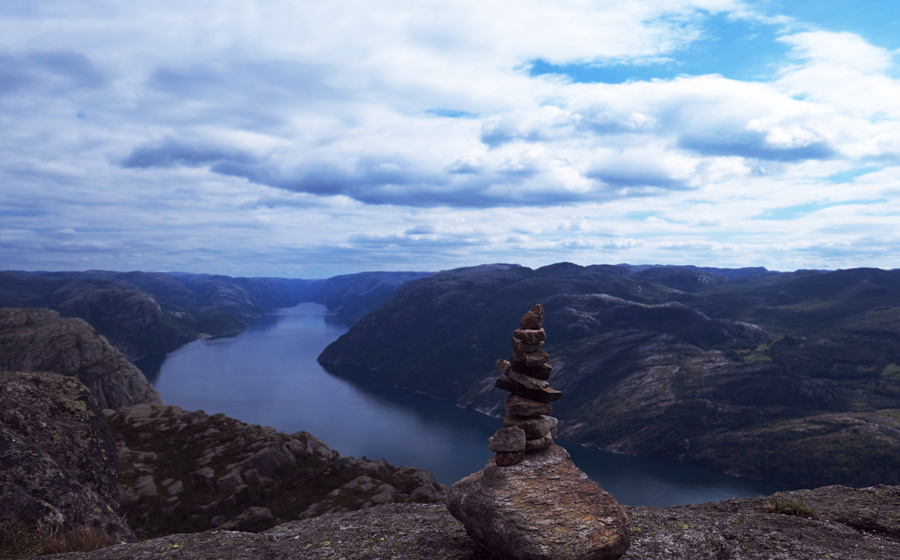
[849, 524]
[543, 507]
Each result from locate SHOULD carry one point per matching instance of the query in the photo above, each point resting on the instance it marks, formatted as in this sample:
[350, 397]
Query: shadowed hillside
[791, 378]
[144, 313]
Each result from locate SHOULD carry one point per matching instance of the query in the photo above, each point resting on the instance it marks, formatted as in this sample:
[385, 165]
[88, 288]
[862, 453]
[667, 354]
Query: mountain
[141, 313]
[353, 296]
[791, 378]
[144, 313]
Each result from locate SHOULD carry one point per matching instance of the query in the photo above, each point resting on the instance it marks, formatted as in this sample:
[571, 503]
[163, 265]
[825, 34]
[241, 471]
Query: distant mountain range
[144, 313]
[792, 378]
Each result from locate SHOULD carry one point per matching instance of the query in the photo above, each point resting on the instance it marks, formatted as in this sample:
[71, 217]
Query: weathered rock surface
[188, 471]
[834, 522]
[521, 406]
[534, 427]
[39, 340]
[542, 507]
[507, 440]
[58, 467]
[850, 524]
[543, 395]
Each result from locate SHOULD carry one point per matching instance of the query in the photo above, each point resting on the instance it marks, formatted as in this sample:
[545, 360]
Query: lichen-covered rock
[39, 340]
[541, 508]
[188, 471]
[58, 466]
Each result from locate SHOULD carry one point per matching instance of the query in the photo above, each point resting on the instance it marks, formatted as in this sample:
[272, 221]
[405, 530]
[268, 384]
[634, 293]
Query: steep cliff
[39, 340]
[69, 475]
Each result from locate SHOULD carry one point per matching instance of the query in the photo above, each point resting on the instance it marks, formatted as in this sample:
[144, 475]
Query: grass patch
[809, 306]
[757, 358]
[891, 370]
[785, 506]
[19, 541]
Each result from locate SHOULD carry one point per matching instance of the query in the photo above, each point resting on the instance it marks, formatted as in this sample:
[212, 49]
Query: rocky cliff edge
[40, 340]
[190, 471]
[835, 522]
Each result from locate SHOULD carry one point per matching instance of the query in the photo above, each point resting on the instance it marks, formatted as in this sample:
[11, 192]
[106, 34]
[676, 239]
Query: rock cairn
[531, 502]
[527, 426]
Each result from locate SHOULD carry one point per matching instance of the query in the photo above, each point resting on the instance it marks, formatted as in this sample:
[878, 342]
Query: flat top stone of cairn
[534, 319]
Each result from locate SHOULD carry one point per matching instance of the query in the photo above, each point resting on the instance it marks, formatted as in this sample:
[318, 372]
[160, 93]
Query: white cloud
[211, 132]
[843, 72]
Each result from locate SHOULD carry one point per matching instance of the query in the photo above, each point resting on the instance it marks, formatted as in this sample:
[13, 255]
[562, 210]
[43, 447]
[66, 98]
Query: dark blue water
[269, 375]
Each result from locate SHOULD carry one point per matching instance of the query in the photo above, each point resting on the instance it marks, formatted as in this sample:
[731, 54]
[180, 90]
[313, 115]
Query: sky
[310, 139]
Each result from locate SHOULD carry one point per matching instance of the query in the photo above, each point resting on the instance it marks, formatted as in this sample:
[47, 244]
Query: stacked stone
[531, 502]
[528, 425]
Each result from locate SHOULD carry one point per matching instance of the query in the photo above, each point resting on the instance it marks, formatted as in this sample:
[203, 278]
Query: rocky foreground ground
[834, 522]
[189, 471]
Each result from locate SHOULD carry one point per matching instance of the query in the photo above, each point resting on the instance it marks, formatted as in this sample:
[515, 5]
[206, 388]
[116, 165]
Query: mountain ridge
[151, 313]
[676, 362]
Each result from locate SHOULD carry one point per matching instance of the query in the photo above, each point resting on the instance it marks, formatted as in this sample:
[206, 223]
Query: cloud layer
[311, 139]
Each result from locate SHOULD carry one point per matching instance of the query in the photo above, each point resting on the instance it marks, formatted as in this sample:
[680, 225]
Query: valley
[791, 378]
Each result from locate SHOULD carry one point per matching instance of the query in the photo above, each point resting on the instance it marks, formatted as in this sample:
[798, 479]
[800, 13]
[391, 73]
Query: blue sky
[310, 139]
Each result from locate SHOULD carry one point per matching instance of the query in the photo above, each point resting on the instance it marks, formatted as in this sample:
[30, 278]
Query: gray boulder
[541, 508]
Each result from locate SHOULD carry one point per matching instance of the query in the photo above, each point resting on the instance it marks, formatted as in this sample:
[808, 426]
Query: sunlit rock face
[531, 502]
